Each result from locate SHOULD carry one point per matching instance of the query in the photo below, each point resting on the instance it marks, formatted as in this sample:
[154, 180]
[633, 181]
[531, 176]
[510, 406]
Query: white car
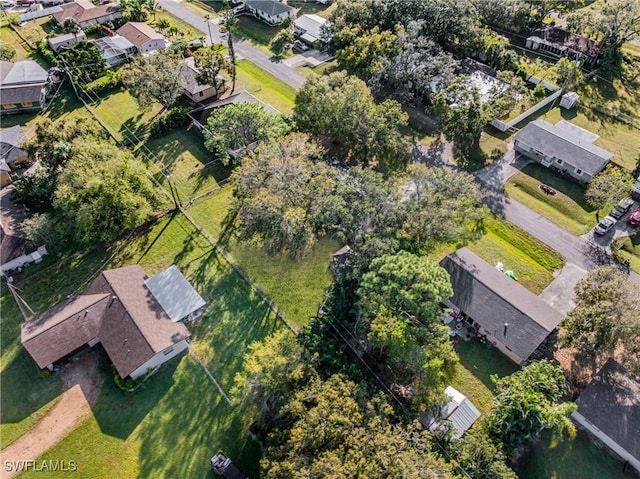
[604, 226]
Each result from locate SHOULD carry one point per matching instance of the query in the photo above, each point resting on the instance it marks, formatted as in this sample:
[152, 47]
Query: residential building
[609, 408]
[22, 86]
[11, 141]
[87, 14]
[311, 29]
[457, 414]
[195, 90]
[64, 42]
[563, 146]
[176, 296]
[145, 38]
[557, 42]
[33, 15]
[121, 312]
[115, 50]
[512, 318]
[199, 116]
[269, 11]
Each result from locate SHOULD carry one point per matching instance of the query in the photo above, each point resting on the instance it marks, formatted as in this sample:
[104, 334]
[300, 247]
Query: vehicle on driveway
[634, 218]
[223, 467]
[621, 208]
[604, 226]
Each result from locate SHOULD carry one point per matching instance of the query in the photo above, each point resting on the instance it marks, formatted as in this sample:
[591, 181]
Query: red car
[634, 218]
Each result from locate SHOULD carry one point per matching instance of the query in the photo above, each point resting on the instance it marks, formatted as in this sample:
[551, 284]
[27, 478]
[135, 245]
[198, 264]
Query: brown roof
[139, 33]
[132, 326]
[84, 11]
[64, 328]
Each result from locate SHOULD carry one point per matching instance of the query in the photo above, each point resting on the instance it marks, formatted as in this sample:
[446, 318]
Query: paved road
[243, 49]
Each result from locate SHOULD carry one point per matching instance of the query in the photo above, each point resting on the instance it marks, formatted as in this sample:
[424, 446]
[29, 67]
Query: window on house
[8, 106]
[201, 93]
[167, 352]
[559, 161]
[27, 103]
[578, 171]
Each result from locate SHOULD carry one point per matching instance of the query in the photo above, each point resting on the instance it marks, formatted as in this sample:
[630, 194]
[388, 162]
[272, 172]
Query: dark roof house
[560, 42]
[117, 310]
[269, 11]
[564, 146]
[22, 86]
[200, 115]
[609, 408]
[10, 141]
[513, 318]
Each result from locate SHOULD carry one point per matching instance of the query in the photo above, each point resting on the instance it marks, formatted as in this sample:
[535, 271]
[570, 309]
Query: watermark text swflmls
[41, 466]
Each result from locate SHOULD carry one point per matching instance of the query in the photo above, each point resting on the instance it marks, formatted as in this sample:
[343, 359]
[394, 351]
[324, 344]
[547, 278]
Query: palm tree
[229, 22]
[71, 25]
[163, 24]
[152, 6]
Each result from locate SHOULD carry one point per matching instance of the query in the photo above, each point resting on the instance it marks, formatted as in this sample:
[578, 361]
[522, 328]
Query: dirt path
[81, 384]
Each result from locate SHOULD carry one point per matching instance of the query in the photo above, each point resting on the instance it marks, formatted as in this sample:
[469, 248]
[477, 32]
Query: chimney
[505, 329]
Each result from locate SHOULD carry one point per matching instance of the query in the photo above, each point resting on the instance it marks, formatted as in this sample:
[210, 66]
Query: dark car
[634, 218]
[223, 467]
[621, 208]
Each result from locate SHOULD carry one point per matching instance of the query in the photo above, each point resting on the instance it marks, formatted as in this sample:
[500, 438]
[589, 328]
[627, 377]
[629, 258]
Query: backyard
[567, 208]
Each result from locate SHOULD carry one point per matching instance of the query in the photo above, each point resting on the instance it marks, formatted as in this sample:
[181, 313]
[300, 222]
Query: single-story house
[41, 13]
[559, 42]
[22, 86]
[564, 146]
[310, 29]
[458, 414]
[115, 50]
[87, 14]
[512, 318]
[199, 116]
[609, 408]
[145, 38]
[11, 140]
[195, 90]
[119, 311]
[269, 11]
[64, 42]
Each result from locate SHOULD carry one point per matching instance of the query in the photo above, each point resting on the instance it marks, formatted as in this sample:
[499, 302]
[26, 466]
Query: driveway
[243, 49]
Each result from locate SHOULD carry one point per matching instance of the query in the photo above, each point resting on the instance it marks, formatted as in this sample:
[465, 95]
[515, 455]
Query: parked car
[621, 208]
[605, 225]
[634, 218]
[223, 467]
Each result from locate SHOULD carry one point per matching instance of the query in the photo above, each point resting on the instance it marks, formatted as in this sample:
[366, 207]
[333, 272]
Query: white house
[143, 37]
[609, 408]
[457, 415]
[269, 11]
[63, 42]
[196, 91]
[563, 146]
[87, 14]
[115, 50]
[310, 29]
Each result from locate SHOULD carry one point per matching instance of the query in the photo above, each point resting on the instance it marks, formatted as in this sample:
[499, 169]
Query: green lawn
[631, 250]
[190, 33]
[264, 86]
[568, 208]
[191, 167]
[296, 287]
[256, 31]
[473, 375]
[576, 458]
[532, 261]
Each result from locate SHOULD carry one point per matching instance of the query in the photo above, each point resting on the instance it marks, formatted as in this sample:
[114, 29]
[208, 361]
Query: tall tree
[229, 21]
[479, 456]
[341, 108]
[527, 402]
[444, 205]
[606, 317]
[240, 128]
[71, 25]
[210, 62]
[280, 193]
[608, 187]
[84, 61]
[157, 78]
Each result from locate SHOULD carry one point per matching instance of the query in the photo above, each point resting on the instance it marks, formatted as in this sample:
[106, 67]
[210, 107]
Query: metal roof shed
[176, 295]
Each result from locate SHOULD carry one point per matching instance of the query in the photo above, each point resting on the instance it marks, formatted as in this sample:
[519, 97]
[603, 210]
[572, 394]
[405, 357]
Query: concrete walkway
[560, 293]
[242, 49]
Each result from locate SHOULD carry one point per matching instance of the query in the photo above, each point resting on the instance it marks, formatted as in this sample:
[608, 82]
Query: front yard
[568, 208]
[264, 86]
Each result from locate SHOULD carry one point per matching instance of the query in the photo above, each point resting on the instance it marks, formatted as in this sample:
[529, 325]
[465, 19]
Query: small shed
[176, 295]
[458, 414]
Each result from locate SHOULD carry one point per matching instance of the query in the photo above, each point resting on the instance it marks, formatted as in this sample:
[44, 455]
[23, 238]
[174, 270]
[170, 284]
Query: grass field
[264, 86]
[190, 33]
[532, 261]
[473, 375]
[297, 287]
[568, 208]
[630, 250]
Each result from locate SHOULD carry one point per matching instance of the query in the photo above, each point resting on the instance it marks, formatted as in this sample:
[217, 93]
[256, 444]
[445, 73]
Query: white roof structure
[310, 27]
[459, 414]
[174, 293]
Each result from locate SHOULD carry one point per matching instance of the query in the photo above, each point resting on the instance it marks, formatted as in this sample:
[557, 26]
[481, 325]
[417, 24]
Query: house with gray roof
[193, 89]
[176, 295]
[64, 42]
[269, 11]
[563, 146]
[22, 86]
[11, 153]
[199, 116]
[609, 408]
[311, 29]
[512, 318]
[115, 50]
[121, 312]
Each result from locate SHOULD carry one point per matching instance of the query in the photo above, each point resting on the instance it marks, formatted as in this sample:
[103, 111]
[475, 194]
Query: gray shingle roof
[269, 7]
[202, 114]
[10, 139]
[561, 143]
[492, 299]
[26, 72]
[174, 293]
[611, 402]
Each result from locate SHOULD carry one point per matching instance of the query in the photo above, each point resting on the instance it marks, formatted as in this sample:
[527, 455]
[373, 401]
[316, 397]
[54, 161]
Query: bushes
[44, 50]
[110, 81]
[174, 118]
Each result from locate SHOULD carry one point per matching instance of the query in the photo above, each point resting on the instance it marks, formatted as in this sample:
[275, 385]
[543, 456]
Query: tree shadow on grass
[483, 360]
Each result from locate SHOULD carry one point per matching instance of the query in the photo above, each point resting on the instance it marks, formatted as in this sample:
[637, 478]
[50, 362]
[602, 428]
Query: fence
[500, 125]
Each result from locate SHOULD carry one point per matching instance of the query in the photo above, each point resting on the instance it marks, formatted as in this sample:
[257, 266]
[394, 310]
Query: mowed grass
[264, 86]
[576, 458]
[568, 208]
[256, 31]
[179, 418]
[630, 250]
[192, 168]
[296, 287]
[532, 261]
[473, 374]
[189, 32]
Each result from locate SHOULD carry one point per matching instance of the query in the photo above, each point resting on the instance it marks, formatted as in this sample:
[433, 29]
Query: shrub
[174, 118]
[110, 81]
[43, 49]
[124, 384]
